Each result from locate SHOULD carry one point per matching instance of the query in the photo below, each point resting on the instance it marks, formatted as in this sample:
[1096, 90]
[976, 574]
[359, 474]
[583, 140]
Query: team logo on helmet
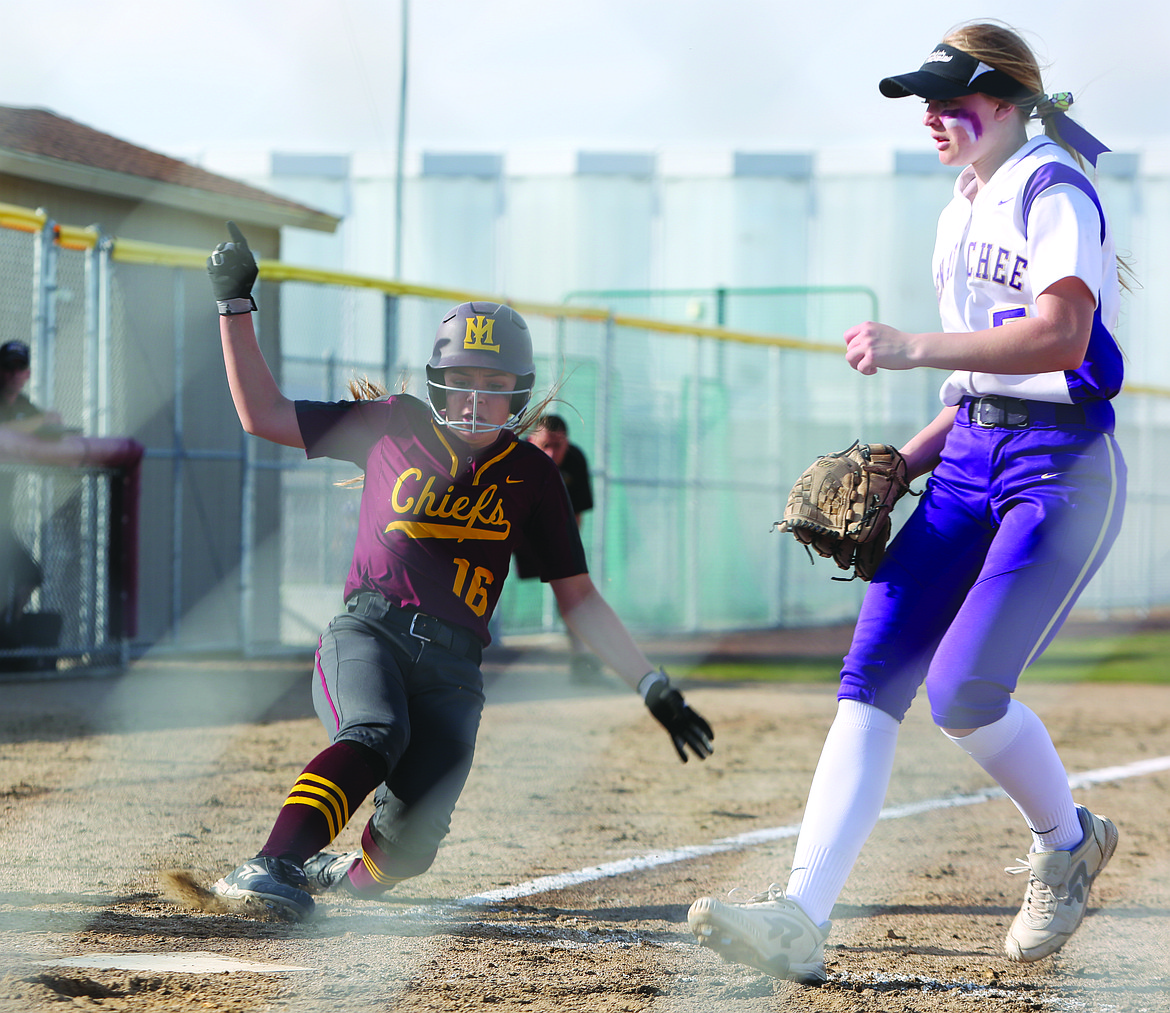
[478, 336]
[482, 335]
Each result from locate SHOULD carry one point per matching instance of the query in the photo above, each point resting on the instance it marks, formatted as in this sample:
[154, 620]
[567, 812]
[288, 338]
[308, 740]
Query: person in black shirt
[20, 573]
[551, 434]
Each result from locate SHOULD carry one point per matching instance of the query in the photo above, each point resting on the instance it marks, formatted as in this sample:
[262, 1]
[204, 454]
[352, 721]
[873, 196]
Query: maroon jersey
[439, 520]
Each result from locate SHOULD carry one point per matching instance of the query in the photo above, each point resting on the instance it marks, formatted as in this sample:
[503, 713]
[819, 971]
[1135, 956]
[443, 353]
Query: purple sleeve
[343, 430]
[1053, 174]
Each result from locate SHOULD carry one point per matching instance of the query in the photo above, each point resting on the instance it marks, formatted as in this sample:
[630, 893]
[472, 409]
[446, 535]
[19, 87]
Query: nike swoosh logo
[509, 480]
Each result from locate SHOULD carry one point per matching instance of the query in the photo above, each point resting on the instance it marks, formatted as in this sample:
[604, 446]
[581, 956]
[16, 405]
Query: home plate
[188, 963]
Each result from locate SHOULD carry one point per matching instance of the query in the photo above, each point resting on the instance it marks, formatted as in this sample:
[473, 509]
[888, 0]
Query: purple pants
[975, 585]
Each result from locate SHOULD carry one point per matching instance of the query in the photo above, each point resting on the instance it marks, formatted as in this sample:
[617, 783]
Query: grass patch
[1140, 657]
[779, 670]
[1136, 657]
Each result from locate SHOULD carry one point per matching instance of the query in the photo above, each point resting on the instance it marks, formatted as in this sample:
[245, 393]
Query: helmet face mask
[481, 335]
[476, 424]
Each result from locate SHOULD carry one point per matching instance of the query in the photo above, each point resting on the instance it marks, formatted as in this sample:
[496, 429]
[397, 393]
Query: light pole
[401, 142]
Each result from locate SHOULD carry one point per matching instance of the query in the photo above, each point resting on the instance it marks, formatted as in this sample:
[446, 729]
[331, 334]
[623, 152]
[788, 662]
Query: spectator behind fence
[552, 436]
[20, 573]
[32, 437]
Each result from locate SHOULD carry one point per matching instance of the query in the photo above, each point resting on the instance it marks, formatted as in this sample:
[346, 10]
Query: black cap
[13, 355]
[949, 73]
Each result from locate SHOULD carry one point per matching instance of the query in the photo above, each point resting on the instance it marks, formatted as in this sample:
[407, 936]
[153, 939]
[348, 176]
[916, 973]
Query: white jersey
[1036, 221]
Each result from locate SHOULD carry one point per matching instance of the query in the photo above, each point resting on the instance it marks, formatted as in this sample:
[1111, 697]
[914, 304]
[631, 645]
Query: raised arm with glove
[233, 271]
[263, 409]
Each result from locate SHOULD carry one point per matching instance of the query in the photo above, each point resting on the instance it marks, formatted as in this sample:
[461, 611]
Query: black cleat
[328, 870]
[274, 883]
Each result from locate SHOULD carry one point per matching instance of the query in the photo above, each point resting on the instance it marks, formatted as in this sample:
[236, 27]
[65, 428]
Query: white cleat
[1058, 890]
[768, 932]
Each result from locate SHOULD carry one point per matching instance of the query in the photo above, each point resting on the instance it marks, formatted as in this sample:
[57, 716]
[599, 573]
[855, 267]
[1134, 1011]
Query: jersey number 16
[476, 596]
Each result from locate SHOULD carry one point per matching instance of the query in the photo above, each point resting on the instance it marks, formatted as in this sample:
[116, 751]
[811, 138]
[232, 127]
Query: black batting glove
[685, 726]
[233, 272]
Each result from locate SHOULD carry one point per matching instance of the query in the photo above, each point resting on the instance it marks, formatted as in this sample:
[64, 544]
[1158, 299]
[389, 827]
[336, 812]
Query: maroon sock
[379, 870]
[321, 802]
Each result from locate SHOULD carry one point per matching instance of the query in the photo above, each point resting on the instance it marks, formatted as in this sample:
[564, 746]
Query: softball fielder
[1024, 500]
[448, 489]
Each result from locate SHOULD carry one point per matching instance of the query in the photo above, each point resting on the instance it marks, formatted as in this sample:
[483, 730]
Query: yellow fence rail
[134, 251]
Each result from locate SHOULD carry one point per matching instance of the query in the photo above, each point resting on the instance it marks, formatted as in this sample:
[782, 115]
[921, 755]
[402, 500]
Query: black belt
[998, 412]
[456, 639]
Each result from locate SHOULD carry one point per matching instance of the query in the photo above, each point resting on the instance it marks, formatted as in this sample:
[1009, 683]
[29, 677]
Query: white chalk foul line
[198, 962]
[653, 859]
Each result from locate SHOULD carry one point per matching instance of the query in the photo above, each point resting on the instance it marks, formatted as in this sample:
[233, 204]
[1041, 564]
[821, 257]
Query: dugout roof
[40, 145]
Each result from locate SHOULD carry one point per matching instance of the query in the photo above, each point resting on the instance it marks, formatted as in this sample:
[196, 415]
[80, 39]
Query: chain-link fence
[693, 432]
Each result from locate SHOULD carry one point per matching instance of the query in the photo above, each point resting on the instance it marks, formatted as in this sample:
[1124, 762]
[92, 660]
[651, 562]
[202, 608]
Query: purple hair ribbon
[1055, 107]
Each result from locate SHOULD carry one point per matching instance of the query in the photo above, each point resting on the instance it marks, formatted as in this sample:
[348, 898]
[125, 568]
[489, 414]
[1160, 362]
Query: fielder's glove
[841, 504]
[233, 272]
[686, 727]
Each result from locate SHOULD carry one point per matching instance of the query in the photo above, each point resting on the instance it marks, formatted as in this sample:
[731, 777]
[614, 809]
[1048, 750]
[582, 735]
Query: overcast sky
[309, 76]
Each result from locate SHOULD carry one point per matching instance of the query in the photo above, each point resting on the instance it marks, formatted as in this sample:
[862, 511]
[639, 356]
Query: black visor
[949, 73]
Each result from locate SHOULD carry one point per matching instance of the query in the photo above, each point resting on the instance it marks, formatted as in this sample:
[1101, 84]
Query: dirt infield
[106, 784]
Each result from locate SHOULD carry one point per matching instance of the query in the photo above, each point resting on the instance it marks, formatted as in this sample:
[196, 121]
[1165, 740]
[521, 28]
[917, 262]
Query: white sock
[1018, 752]
[847, 793]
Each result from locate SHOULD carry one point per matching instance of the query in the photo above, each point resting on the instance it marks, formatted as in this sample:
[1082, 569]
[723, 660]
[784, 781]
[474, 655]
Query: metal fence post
[248, 523]
[331, 393]
[178, 457]
[92, 605]
[101, 378]
[693, 480]
[389, 337]
[604, 441]
[102, 422]
[43, 339]
[44, 325]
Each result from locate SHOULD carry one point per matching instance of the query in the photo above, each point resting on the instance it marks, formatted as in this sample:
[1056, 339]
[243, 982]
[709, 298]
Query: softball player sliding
[1024, 501]
[448, 491]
